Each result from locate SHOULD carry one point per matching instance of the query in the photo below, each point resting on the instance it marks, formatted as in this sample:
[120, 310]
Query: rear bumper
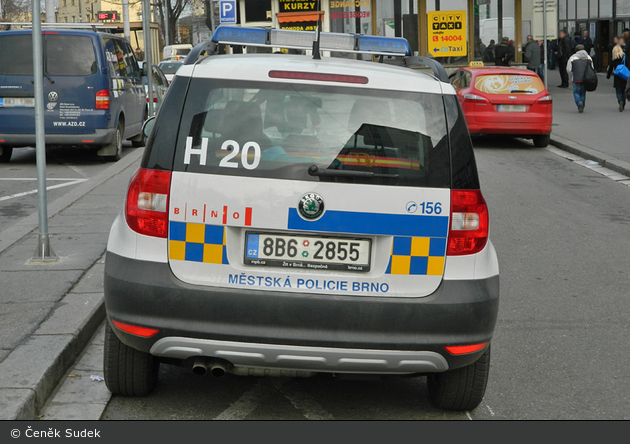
[99, 137]
[195, 320]
[512, 128]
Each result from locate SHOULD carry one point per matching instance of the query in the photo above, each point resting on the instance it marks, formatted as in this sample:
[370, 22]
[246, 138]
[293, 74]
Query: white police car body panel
[407, 246]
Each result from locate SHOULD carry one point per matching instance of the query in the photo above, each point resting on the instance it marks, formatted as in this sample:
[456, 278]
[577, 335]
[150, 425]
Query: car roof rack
[70, 26]
[438, 70]
[302, 40]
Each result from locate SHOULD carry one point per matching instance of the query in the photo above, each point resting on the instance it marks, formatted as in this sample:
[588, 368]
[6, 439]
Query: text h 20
[250, 155]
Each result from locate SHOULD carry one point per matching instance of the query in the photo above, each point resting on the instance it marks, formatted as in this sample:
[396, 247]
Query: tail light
[546, 99]
[464, 349]
[136, 330]
[146, 210]
[102, 99]
[474, 98]
[469, 223]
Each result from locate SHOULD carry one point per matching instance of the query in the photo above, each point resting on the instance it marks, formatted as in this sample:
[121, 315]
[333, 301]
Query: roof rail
[436, 67]
[329, 41]
[198, 51]
[90, 26]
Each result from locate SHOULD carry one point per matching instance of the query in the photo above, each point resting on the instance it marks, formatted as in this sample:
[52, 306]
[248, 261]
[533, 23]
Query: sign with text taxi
[447, 33]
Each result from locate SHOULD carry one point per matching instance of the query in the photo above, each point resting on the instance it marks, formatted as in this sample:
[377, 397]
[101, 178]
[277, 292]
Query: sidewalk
[600, 133]
[48, 313]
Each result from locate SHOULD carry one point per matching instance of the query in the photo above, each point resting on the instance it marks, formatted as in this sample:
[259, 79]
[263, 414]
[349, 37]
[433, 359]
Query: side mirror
[144, 69]
[147, 126]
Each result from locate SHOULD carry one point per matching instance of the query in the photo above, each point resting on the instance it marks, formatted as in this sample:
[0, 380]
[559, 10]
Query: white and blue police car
[295, 215]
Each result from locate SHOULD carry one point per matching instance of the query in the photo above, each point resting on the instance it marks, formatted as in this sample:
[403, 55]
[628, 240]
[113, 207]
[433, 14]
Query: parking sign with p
[227, 11]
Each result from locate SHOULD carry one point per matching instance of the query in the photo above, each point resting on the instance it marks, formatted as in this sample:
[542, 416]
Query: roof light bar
[329, 41]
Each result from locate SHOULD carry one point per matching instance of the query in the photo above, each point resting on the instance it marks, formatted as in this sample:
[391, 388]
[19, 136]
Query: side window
[111, 54]
[467, 76]
[133, 61]
[456, 80]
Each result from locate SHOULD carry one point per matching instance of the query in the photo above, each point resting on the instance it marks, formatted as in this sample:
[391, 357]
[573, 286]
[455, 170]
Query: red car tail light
[469, 223]
[102, 99]
[146, 210]
[464, 349]
[545, 99]
[474, 98]
[143, 332]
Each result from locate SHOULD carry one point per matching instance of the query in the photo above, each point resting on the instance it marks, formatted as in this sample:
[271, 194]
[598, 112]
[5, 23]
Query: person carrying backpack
[618, 58]
[576, 66]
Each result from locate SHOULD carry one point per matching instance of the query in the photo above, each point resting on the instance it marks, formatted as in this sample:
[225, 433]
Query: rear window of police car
[64, 55]
[280, 130]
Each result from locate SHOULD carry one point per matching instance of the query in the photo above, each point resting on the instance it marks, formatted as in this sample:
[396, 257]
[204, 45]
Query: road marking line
[468, 414]
[490, 410]
[52, 187]
[302, 401]
[592, 165]
[35, 178]
[246, 404]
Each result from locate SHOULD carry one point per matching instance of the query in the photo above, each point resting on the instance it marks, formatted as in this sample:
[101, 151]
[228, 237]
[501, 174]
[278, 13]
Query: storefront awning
[294, 17]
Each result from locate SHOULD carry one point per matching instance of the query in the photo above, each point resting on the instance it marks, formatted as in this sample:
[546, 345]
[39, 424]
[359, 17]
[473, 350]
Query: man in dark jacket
[532, 54]
[488, 55]
[587, 42]
[502, 53]
[562, 55]
[577, 67]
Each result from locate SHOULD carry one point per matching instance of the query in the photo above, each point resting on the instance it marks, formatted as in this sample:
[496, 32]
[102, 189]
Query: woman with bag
[619, 68]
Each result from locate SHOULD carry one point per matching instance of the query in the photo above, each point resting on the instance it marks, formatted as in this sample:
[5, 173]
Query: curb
[30, 373]
[606, 160]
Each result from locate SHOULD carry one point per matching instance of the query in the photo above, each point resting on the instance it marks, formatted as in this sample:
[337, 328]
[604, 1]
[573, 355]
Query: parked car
[160, 85]
[92, 87]
[176, 52]
[170, 67]
[293, 216]
[504, 100]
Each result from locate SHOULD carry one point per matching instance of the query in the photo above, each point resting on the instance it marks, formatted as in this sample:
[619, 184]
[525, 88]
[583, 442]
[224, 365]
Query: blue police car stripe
[372, 223]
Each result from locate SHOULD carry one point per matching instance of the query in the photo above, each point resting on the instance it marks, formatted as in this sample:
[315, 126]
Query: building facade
[87, 11]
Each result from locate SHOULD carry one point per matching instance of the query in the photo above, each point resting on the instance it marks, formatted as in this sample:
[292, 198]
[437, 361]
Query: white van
[176, 52]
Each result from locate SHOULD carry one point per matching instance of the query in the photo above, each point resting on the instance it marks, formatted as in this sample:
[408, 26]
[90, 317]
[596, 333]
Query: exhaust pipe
[218, 369]
[200, 366]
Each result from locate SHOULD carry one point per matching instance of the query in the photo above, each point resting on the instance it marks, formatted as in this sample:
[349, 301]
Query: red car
[504, 100]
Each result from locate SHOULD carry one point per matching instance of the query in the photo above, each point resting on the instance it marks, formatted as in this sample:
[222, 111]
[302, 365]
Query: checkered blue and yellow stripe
[417, 256]
[197, 243]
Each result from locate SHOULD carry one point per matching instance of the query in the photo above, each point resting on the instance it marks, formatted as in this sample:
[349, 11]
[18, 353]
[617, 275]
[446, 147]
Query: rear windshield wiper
[524, 91]
[314, 170]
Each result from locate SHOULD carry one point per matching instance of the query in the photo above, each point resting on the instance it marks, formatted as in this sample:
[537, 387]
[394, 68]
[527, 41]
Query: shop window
[582, 9]
[562, 9]
[606, 8]
[571, 9]
[593, 9]
[260, 10]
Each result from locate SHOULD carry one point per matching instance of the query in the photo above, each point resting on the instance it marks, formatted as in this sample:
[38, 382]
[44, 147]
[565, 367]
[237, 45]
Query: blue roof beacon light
[329, 41]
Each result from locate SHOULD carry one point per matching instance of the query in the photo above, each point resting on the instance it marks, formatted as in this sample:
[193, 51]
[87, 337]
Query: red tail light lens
[143, 332]
[546, 99]
[469, 223]
[464, 349]
[146, 210]
[102, 99]
[474, 98]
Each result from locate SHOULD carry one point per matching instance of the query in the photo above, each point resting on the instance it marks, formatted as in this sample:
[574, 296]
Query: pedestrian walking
[563, 52]
[532, 54]
[576, 66]
[502, 53]
[618, 58]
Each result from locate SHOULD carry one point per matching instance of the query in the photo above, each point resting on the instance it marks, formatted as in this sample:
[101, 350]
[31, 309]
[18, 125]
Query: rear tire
[541, 141]
[5, 154]
[115, 146]
[461, 388]
[128, 372]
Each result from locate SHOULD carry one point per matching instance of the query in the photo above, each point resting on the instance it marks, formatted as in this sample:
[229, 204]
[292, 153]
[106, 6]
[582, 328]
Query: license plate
[307, 252]
[24, 102]
[512, 108]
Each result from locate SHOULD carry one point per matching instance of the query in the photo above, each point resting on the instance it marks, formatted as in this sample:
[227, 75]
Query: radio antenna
[316, 55]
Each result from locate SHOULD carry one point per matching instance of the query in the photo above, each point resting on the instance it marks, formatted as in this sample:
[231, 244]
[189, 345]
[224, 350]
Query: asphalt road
[562, 345]
[65, 168]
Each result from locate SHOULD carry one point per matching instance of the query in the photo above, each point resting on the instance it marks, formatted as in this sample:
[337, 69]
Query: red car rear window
[509, 84]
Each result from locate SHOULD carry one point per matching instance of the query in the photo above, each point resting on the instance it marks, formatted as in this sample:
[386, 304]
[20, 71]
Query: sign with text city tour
[447, 33]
